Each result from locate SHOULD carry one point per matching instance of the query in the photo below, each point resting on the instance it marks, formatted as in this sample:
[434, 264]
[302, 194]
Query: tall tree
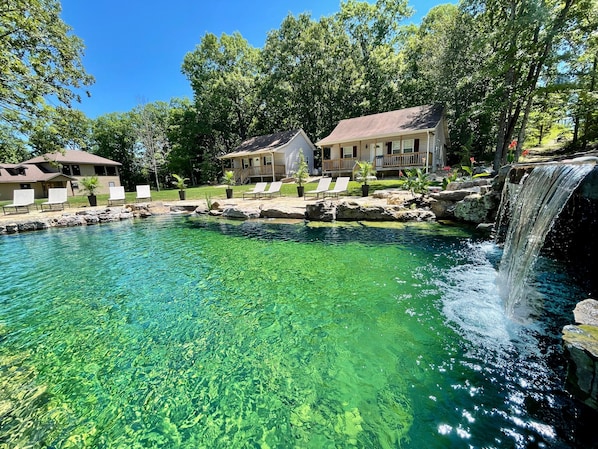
[114, 137]
[310, 79]
[223, 75]
[152, 142]
[40, 58]
[63, 128]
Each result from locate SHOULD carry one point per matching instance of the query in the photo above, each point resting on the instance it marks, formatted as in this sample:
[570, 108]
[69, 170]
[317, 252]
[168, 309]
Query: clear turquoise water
[180, 333]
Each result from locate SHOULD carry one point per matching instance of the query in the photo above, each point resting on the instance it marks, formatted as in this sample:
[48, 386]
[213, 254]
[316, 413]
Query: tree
[114, 137]
[12, 148]
[152, 142]
[63, 128]
[223, 75]
[39, 59]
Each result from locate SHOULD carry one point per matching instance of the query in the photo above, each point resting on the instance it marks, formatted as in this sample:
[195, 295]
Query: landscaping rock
[586, 312]
[283, 212]
[581, 350]
[477, 208]
[321, 211]
[237, 213]
[443, 209]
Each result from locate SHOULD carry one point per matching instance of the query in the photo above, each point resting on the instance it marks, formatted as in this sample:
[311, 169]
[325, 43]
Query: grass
[215, 193]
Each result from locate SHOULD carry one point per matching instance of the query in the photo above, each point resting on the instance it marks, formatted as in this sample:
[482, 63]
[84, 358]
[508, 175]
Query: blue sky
[135, 48]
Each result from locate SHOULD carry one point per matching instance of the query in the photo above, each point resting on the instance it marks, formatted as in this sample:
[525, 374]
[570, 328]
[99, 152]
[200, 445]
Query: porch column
[427, 150]
[273, 167]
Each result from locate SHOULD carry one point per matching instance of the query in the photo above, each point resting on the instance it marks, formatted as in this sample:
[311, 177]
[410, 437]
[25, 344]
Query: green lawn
[215, 193]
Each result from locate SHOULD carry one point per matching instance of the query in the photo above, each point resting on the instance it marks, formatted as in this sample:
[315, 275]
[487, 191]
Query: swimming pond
[178, 332]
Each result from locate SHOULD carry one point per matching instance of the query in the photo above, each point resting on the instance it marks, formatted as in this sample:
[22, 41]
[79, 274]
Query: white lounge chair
[56, 197]
[21, 198]
[341, 185]
[259, 188]
[117, 194]
[274, 189]
[323, 186]
[143, 193]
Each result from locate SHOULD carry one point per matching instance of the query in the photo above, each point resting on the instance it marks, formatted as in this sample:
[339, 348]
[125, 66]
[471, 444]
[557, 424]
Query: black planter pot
[300, 191]
[365, 189]
[182, 195]
[229, 193]
[93, 200]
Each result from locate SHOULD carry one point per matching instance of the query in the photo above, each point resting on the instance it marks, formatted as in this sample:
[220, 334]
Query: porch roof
[385, 124]
[263, 144]
[29, 173]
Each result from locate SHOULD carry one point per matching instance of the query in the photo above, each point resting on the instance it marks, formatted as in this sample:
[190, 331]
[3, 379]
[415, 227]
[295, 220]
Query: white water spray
[533, 209]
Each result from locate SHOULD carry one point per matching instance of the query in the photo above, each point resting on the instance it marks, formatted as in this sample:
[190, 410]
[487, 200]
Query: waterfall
[531, 208]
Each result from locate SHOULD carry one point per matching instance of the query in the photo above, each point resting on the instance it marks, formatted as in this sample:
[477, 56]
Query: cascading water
[531, 209]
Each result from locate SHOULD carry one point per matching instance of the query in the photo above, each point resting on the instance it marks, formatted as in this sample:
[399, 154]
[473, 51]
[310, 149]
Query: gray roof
[385, 124]
[72, 157]
[264, 144]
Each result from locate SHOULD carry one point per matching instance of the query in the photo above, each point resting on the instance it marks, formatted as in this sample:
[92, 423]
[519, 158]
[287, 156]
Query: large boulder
[283, 212]
[477, 208]
[443, 210]
[321, 211]
[237, 213]
[581, 350]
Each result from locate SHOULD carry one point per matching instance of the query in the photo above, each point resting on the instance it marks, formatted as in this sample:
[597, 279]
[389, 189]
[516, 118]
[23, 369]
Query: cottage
[393, 141]
[55, 170]
[272, 157]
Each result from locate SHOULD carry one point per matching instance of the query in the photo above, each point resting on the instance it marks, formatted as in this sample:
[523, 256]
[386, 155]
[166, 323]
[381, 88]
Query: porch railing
[389, 161]
[242, 174]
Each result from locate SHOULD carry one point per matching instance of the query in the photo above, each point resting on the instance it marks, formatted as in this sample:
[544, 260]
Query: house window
[268, 160]
[100, 170]
[25, 186]
[76, 170]
[111, 171]
[408, 146]
[66, 169]
[245, 163]
[396, 147]
[349, 152]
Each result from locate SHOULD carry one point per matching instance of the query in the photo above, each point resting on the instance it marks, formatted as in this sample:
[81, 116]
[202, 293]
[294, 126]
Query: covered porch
[381, 162]
[259, 173]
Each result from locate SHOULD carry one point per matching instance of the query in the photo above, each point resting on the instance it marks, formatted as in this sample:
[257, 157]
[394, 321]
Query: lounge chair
[274, 189]
[322, 187]
[259, 189]
[117, 194]
[56, 197]
[341, 185]
[21, 198]
[143, 193]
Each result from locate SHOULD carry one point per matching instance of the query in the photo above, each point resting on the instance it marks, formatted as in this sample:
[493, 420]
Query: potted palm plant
[181, 184]
[301, 174]
[91, 185]
[365, 170]
[229, 180]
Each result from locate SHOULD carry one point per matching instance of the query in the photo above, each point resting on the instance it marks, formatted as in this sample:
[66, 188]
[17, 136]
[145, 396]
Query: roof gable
[264, 144]
[72, 157]
[26, 173]
[402, 121]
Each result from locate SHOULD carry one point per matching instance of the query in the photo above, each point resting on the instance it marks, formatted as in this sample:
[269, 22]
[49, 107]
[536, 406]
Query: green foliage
[179, 181]
[417, 181]
[40, 57]
[365, 170]
[91, 184]
[452, 177]
[302, 169]
[229, 178]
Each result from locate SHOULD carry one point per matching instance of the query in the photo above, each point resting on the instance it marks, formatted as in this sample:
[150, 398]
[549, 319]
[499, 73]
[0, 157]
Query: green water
[178, 333]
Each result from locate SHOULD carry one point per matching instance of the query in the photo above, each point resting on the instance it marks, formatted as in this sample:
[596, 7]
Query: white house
[272, 157]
